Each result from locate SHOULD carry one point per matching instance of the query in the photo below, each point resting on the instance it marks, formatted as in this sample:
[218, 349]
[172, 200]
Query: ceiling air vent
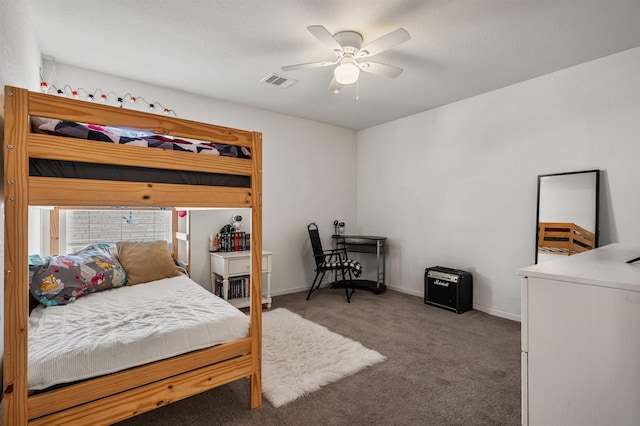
[279, 80]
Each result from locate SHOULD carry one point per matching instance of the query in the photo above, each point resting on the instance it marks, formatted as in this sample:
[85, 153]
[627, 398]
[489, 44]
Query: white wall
[19, 53]
[456, 186]
[308, 167]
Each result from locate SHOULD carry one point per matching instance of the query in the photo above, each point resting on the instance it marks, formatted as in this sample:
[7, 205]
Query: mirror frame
[597, 202]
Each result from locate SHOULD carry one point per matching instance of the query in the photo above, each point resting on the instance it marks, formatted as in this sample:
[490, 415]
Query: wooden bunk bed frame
[564, 238]
[111, 398]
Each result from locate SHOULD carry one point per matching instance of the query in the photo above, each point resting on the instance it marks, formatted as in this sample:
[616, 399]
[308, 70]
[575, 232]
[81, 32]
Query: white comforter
[117, 329]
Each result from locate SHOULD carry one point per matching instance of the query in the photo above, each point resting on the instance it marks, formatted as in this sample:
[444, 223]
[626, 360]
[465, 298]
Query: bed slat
[90, 390]
[44, 105]
[45, 191]
[146, 398]
[70, 149]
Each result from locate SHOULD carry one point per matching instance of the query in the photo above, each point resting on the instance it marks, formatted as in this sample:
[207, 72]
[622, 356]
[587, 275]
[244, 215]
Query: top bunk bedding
[131, 137]
[113, 330]
[66, 139]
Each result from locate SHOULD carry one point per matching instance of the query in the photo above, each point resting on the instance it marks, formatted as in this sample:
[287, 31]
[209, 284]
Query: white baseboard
[497, 313]
[289, 291]
[405, 291]
[490, 311]
[305, 289]
[486, 310]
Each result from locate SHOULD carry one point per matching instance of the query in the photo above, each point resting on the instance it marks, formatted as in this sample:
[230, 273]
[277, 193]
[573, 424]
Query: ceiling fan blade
[308, 65]
[383, 43]
[325, 37]
[380, 69]
[334, 86]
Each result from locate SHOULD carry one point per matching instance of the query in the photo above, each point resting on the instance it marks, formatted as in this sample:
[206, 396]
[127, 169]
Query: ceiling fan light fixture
[349, 51]
[347, 72]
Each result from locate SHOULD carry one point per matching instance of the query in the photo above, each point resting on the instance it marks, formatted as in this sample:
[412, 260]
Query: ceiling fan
[351, 55]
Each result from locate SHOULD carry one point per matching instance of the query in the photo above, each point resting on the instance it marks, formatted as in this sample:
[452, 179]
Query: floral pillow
[61, 279]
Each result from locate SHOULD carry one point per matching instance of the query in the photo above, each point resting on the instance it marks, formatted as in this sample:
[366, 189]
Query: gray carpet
[442, 369]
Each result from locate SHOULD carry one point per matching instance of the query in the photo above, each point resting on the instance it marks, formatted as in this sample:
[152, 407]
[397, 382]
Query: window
[84, 227]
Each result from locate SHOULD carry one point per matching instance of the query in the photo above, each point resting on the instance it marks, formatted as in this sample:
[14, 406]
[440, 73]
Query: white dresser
[581, 339]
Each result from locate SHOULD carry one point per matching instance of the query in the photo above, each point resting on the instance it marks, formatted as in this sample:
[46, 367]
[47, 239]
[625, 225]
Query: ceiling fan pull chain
[357, 89]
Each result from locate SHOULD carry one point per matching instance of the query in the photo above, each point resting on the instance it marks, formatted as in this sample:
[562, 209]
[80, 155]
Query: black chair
[332, 260]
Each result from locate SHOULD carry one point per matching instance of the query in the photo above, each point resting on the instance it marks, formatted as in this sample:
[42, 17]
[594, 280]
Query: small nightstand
[231, 270]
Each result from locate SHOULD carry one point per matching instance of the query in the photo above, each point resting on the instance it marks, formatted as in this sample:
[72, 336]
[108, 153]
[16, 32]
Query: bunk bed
[564, 238]
[113, 397]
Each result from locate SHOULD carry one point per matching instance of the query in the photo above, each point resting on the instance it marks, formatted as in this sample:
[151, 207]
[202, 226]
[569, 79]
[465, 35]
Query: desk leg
[379, 273]
[384, 268]
[378, 264]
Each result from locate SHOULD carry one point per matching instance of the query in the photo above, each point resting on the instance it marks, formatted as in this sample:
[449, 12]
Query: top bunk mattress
[126, 327]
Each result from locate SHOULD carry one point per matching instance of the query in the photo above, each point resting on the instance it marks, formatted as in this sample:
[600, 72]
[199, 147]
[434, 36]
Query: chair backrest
[316, 243]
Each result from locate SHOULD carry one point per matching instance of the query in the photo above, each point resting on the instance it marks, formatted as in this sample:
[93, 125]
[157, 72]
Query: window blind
[84, 227]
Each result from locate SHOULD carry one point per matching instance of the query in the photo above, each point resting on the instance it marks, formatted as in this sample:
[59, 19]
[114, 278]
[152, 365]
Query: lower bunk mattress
[113, 330]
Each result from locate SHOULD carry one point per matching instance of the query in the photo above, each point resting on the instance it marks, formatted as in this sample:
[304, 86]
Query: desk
[237, 264]
[366, 244]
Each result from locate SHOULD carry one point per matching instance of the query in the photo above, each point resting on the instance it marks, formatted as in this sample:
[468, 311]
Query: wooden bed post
[174, 229]
[16, 268]
[256, 275]
[54, 231]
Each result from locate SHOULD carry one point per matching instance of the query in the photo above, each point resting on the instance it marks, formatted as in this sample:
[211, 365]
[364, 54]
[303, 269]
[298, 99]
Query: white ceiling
[223, 48]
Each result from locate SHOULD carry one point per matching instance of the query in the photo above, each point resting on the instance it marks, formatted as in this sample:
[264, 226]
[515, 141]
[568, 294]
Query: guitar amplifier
[448, 288]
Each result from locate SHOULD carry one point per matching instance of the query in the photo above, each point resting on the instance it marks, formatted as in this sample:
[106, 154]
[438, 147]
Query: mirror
[567, 216]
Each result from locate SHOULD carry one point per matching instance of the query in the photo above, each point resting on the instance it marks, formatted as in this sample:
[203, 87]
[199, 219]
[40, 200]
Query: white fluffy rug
[300, 356]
